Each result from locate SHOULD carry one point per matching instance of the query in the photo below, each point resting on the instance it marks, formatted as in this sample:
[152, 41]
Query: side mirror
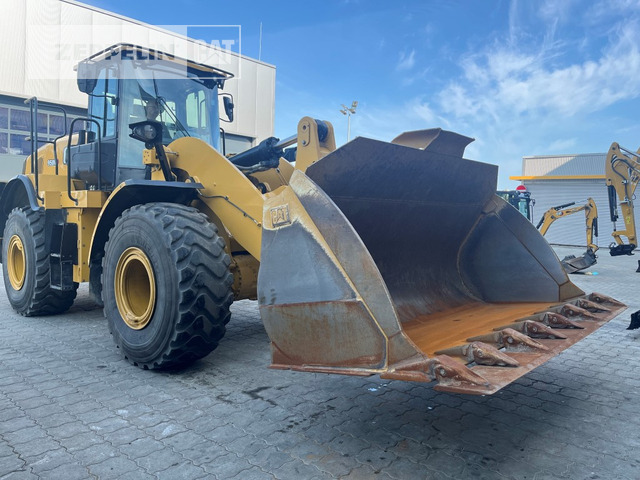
[87, 77]
[228, 107]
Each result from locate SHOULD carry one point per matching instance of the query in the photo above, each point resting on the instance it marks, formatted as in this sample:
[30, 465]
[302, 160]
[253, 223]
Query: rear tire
[25, 266]
[166, 285]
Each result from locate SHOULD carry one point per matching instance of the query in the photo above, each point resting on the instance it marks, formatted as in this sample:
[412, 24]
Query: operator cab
[129, 84]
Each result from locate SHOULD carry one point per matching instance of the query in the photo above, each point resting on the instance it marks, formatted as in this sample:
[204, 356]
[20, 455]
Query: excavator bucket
[573, 264]
[388, 259]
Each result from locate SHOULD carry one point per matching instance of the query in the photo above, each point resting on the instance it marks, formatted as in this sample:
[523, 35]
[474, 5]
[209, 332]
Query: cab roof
[128, 51]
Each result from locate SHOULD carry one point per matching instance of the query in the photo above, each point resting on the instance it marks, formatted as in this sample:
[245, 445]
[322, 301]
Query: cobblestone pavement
[71, 408]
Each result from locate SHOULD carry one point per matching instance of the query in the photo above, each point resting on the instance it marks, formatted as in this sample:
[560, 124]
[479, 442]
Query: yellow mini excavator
[623, 174]
[571, 263]
[364, 259]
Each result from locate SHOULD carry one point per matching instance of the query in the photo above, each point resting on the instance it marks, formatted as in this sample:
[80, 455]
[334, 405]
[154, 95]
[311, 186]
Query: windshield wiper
[173, 116]
[160, 99]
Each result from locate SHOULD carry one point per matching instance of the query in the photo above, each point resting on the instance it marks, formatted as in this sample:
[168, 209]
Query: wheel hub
[135, 288]
[16, 262]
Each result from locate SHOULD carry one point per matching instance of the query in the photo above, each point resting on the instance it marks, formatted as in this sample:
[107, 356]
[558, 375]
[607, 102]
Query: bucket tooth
[480, 353]
[511, 340]
[591, 306]
[517, 342]
[555, 320]
[572, 311]
[552, 319]
[451, 373]
[534, 330]
[415, 369]
[600, 298]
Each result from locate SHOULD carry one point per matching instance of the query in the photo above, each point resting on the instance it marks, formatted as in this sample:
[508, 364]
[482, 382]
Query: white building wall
[24, 56]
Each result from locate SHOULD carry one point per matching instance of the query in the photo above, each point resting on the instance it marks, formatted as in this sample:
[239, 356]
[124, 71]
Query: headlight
[147, 132]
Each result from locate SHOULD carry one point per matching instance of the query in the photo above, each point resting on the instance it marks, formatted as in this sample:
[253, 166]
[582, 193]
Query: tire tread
[203, 314]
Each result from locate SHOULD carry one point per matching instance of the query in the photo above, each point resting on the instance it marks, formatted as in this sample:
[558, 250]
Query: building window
[19, 145]
[20, 120]
[15, 126]
[43, 123]
[4, 117]
[56, 125]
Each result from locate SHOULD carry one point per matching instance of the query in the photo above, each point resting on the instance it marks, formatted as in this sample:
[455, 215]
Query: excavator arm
[623, 174]
[561, 211]
[572, 263]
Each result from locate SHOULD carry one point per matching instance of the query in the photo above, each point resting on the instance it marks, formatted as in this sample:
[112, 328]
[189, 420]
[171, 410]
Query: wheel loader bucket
[400, 261]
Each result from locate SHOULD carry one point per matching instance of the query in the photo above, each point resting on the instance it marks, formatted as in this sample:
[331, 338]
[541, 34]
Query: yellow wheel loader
[571, 263]
[395, 259]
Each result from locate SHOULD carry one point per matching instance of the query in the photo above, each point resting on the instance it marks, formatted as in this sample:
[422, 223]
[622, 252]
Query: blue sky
[521, 77]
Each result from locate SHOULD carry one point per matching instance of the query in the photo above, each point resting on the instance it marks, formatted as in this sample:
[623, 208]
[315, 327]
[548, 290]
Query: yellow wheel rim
[16, 262]
[135, 288]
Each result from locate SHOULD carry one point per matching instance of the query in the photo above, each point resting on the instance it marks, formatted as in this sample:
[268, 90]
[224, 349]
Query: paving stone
[165, 429]
[253, 473]
[21, 475]
[160, 460]
[16, 424]
[143, 447]
[68, 430]
[269, 459]
[208, 456]
[184, 441]
[113, 468]
[28, 434]
[227, 416]
[96, 453]
[9, 465]
[226, 466]
[31, 448]
[81, 441]
[48, 461]
[183, 471]
[375, 458]
[68, 471]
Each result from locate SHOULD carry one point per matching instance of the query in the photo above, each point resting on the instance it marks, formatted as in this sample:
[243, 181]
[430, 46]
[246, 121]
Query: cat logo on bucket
[280, 216]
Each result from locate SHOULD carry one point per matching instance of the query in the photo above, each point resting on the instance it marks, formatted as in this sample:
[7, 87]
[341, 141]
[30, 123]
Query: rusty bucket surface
[402, 261]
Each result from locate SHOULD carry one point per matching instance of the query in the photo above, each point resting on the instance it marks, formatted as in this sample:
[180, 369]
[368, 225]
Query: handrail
[33, 138]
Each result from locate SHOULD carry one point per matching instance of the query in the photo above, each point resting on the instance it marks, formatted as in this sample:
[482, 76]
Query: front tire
[166, 285]
[25, 266]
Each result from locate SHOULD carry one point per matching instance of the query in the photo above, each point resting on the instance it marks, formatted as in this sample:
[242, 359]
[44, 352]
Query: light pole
[348, 111]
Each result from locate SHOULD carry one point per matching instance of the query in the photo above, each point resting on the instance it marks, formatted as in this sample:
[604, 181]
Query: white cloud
[516, 83]
[406, 61]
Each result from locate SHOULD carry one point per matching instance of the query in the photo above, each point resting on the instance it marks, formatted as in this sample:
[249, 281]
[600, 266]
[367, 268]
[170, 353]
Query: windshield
[184, 106]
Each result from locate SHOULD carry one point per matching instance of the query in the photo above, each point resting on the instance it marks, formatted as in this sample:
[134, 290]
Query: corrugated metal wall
[571, 230]
[557, 165]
